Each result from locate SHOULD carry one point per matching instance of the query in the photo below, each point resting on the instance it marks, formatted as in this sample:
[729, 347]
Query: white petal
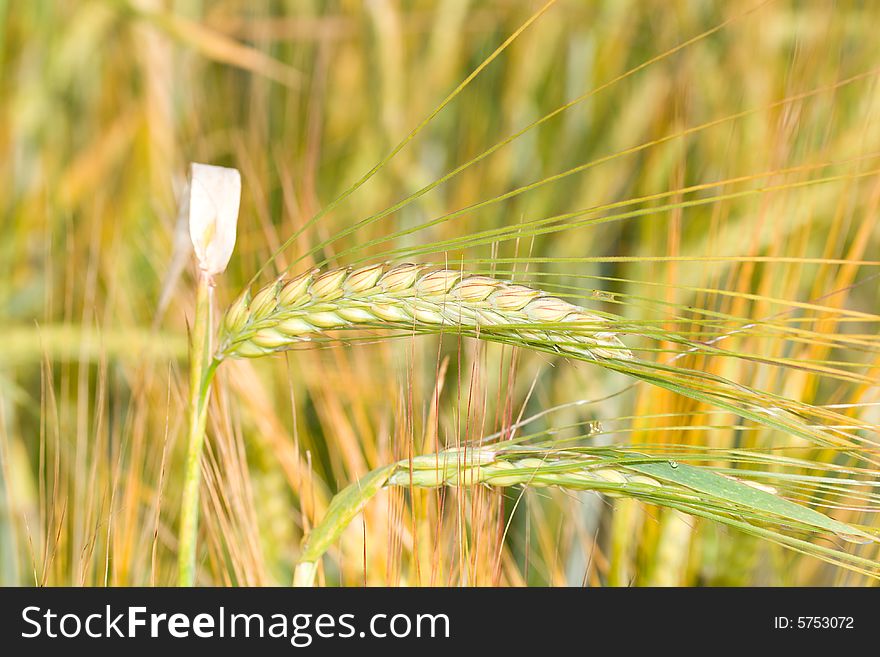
[214, 196]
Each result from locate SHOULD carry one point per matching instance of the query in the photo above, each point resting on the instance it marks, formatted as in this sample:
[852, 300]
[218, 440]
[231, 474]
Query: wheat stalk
[412, 297]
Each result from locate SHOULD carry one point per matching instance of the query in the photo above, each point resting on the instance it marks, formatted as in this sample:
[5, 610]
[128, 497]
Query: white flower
[214, 196]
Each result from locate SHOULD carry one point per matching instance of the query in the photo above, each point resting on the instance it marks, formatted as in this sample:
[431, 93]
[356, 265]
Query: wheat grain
[416, 298]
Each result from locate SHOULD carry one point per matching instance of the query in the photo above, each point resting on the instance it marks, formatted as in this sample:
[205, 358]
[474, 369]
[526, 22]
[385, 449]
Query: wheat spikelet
[411, 297]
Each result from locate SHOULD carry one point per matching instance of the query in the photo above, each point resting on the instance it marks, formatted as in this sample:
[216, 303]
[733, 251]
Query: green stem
[201, 372]
[342, 510]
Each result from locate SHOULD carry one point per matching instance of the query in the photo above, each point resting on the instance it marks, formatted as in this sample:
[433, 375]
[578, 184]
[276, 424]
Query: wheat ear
[614, 474]
[415, 298]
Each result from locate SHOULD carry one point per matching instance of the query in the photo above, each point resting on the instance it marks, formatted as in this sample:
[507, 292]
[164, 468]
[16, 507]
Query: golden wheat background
[720, 189]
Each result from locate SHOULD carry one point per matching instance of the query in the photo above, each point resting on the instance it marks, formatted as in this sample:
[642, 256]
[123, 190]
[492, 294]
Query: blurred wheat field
[713, 180]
